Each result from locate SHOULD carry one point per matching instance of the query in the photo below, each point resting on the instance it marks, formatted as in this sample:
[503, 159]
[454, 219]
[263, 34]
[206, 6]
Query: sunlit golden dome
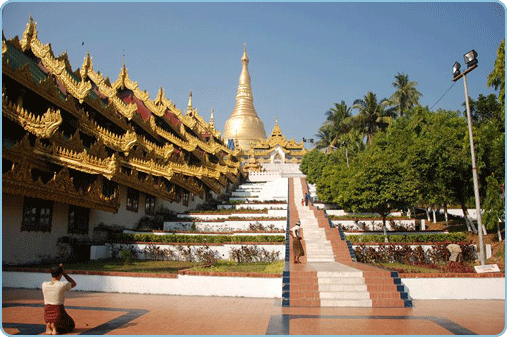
[244, 125]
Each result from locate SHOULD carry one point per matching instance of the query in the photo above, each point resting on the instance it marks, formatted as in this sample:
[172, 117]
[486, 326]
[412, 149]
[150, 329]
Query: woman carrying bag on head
[297, 247]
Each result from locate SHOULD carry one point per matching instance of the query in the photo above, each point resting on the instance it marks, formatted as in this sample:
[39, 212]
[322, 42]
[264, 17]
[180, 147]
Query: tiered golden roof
[261, 151]
[130, 139]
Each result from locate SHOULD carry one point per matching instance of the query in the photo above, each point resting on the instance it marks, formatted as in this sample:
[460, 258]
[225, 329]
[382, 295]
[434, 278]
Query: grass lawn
[252, 267]
[118, 265]
[167, 267]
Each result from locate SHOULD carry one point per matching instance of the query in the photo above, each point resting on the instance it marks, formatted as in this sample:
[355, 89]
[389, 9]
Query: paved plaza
[133, 314]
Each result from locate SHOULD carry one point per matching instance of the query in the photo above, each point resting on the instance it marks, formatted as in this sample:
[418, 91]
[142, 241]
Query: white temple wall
[22, 246]
[123, 217]
[41, 245]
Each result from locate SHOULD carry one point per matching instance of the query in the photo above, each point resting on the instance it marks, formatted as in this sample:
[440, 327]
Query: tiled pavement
[133, 314]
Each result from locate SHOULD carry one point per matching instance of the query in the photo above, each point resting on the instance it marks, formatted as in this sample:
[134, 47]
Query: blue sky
[303, 56]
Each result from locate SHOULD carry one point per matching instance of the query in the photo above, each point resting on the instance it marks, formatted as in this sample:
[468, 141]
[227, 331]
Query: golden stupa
[244, 126]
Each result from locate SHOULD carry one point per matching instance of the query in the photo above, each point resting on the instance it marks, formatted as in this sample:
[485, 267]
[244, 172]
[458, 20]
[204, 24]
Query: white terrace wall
[456, 288]
[374, 225]
[256, 287]
[184, 285]
[225, 226]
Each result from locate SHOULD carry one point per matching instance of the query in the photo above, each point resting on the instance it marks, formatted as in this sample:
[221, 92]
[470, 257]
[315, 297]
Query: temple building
[244, 131]
[80, 151]
[273, 152]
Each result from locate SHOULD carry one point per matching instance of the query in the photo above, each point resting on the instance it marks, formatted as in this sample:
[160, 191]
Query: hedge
[174, 238]
[459, 237]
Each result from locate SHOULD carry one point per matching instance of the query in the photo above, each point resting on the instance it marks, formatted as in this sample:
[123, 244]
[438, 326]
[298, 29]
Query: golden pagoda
[244, 126]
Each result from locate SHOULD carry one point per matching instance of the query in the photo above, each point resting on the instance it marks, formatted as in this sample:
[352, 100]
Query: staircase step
[328, 287]
[345, 295]
[341, 280]
[345, 303]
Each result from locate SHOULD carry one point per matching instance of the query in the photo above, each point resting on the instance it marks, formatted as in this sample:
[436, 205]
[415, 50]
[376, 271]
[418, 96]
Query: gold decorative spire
[189, 108]
[212, 121]
[244, 125]
[276, 133]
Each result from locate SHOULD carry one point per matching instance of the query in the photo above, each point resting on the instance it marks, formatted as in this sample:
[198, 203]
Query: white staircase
[339, 285]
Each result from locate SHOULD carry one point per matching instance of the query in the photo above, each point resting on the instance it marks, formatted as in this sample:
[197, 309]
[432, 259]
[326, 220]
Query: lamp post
[471, 62]
[346, 152]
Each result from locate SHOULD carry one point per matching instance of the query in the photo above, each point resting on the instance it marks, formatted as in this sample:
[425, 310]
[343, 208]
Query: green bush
[458, 237]
[174, 238]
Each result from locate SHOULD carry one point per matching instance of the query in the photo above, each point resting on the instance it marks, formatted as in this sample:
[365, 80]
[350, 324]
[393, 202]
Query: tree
[373, 115]
[324, 136]
[338, 118]
[380, 183]
[312, 164]
[496, 78]
[406, 96]
[494, 204]
[337, 125]
[485, 108]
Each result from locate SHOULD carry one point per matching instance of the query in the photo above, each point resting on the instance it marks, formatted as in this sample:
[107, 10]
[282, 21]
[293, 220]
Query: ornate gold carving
[42, 126]
[18, 181]
[71, 153]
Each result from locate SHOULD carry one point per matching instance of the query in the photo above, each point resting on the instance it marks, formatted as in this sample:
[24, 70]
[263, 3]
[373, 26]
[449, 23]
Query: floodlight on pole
[455, 69]
[470, 58]
[471, 62]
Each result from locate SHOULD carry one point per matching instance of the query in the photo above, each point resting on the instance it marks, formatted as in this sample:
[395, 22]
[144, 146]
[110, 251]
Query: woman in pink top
[56, 318]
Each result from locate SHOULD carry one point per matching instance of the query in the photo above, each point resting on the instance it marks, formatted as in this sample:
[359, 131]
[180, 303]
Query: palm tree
[406, 96]
[373, 115]
[324, 136]
[338, 121]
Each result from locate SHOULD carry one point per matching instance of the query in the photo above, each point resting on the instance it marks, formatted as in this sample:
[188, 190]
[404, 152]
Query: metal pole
[476, 180]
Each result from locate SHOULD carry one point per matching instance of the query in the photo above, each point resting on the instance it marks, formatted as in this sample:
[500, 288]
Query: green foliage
[493, 204]
[174, 238]
[406, 95]
[312, 164]
[246, 254]
[454, 237]
[405, 254]
[497, 76]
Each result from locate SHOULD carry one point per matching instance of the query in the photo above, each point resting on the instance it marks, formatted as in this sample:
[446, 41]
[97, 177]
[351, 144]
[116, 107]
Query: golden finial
[245, 56]
[189, 108]
[212, 121]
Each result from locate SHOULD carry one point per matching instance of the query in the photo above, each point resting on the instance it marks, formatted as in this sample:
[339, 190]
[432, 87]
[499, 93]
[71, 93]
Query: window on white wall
[78, 220]
[37, 215]
[132, 200]
[149, 204]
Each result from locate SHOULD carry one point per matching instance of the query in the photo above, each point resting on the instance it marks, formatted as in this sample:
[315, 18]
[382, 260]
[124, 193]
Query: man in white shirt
[56, 318]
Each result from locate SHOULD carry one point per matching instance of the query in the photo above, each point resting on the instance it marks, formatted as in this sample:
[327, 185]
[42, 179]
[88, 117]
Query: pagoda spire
[189, 108]
[244, 123]
[212, 121]
[276, 130]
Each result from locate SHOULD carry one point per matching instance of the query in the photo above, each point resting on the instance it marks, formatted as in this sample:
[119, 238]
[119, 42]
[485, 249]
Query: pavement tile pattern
[134, 314]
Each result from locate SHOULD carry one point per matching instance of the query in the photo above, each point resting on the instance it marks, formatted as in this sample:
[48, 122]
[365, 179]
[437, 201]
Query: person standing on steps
[307, 198]
[56, 318]
[297, 247]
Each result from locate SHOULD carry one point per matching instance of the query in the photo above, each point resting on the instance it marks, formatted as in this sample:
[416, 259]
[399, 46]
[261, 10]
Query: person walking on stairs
[297, 247]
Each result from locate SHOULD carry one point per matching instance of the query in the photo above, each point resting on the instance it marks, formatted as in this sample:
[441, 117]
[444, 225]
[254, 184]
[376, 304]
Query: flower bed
[406, 254]
[443, 237]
